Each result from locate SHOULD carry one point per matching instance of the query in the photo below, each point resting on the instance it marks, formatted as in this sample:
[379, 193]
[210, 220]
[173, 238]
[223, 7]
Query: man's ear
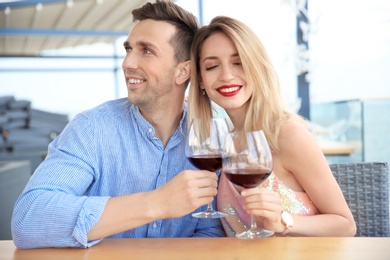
[183, 72]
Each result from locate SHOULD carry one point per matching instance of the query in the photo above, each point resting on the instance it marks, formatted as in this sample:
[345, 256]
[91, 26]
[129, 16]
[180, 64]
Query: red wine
[211, 162]
[248, 178]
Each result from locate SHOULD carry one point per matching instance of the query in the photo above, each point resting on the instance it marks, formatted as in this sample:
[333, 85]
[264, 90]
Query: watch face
[287, 219]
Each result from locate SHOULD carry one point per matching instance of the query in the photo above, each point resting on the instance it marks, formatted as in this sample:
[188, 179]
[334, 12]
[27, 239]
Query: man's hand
[186, 192]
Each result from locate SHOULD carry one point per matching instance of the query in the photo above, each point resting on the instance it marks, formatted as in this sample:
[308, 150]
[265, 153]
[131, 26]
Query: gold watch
[287, 219]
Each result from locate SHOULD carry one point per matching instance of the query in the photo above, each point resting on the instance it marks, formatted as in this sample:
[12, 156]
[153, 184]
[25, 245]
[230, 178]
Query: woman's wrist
[287, 221]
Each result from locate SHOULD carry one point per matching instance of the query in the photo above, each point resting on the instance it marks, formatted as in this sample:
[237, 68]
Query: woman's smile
[229, 91]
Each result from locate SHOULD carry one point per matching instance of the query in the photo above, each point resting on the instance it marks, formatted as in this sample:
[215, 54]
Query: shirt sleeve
[53, 210]
[88, 217]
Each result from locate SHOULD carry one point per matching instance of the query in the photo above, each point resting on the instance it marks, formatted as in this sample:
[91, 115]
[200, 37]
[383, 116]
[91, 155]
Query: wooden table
[214, 248]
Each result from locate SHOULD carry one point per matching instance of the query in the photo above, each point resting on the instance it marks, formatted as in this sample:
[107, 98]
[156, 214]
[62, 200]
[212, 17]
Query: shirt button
[150, 130]
[154, 225]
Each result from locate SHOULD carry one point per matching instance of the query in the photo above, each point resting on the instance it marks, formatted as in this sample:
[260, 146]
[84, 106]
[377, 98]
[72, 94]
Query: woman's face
[222, 75]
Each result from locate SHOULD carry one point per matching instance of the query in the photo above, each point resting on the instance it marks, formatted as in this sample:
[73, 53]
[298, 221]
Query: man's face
[149, 63]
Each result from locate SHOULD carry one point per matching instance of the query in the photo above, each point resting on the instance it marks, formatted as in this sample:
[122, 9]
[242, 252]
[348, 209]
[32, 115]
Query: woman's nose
[227, 73]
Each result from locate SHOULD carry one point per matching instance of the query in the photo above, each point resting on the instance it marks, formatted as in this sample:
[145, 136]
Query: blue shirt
[104, 152]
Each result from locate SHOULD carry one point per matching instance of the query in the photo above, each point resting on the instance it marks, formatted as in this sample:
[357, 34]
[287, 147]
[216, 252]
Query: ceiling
[31, 26]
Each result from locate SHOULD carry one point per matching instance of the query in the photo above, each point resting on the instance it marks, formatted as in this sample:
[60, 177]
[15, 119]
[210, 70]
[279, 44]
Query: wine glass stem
[253, 222]
[209, 208]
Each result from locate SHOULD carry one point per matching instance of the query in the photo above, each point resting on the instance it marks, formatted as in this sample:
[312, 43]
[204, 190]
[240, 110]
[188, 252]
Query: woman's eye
[211, 67]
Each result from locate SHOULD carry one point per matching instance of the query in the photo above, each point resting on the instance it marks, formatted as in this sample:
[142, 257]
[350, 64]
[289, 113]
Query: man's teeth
[135, 81]
[225, 90]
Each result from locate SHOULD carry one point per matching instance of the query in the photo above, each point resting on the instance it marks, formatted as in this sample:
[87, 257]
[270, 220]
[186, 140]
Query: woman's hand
[266, 205]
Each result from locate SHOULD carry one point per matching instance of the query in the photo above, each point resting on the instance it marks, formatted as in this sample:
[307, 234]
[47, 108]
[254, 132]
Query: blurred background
[60, 57]
[65, 56]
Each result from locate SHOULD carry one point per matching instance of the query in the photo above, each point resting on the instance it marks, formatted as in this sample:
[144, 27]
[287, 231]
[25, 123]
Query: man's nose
[130, 61]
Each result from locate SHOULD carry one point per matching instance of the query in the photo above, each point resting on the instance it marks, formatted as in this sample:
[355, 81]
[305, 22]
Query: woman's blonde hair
[266, 108]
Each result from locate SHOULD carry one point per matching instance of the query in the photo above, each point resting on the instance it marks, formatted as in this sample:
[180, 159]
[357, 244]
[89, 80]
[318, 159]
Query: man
[119, 170]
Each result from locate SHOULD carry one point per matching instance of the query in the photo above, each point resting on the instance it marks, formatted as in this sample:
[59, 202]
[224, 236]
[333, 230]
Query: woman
[231, 67]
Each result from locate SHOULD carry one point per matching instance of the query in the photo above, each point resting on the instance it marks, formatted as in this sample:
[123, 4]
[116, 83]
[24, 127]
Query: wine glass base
[209, 214]
[252, 234]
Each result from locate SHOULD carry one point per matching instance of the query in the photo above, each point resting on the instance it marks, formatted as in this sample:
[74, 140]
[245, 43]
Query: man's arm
[185, 193]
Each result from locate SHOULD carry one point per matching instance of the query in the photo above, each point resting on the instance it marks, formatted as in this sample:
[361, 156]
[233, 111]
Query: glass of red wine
[247, 162]
[204, 150]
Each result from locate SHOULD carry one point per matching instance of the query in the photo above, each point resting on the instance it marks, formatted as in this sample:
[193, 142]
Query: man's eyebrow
[142, 44]
[147, 44]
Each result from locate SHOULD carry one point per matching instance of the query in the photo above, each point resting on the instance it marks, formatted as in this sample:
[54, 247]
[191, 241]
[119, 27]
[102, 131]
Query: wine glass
[203, 150]
[247, 162]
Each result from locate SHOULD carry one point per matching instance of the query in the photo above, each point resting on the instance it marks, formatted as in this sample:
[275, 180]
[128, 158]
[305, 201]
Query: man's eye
[147, 51]
[128, 49]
